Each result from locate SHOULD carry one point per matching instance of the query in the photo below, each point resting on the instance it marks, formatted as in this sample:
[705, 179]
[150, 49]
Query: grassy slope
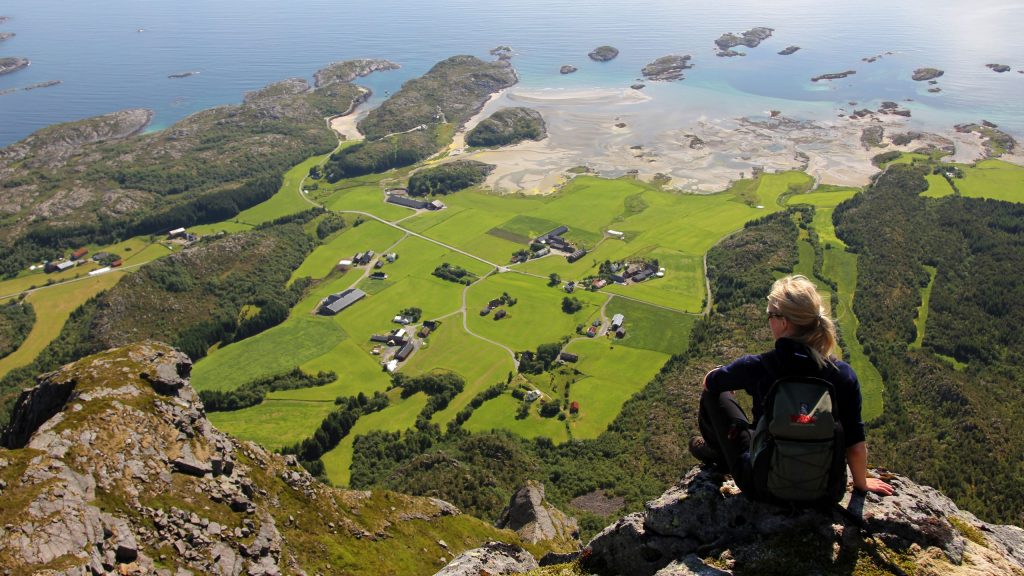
[841, 266]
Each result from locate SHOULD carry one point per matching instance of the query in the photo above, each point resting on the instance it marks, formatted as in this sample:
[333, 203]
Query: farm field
[614, 373]
[994, 179]
[499, 414]
[652, 328]
[938, 187]
[536, 318]
[370, 235]
[841, 266]
[53, 306]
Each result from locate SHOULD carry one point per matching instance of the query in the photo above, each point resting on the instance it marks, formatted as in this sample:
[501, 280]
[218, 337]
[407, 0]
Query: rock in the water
[998, 67]
[491, 558]
[751, 38]
[567, 69]
[534, 519]
[11, 64]
[703, 516]
[833, 75]
[667, 67]
[604, 53]
[922, 74]
[788, 50]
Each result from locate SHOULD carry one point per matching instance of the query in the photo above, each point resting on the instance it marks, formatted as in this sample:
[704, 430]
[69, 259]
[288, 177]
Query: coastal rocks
[998, 67]
[491, 558]
[667, 68]
[703, 517]
[922, 74]
[502, 52]
[12, 64]
[893, 108]
[567, 69]
[833, 75]
[995, 141]
[871, 136]
[638, 86]
[6, 35]
[603, 53]
[751, 38]
[530, 516]
[729, 53]
[788, 50]
[349, 70]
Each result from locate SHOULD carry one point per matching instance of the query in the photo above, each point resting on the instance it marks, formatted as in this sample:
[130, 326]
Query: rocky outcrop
[129, 477]
[667, 68]
[996, 141]
[502, 52]
[535, 520]
[12, 64]
[603, 53]
[567, 69]
[998, 67]
[922, 74]
[508, 126]
[492, 558]
[833, 75]
[52, 146]
[704, 518]
[751, 38]
[349, 70]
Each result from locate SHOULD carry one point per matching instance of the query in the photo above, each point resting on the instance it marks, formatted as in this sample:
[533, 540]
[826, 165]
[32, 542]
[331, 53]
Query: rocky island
[567, 69]
[922, 74]
[667, 68]
[349, 70]
[502, 52]
[6, 35]
[833, 76]
[508, 126]
[751, 38]
[183, 74]
[13, 64]
[604, 53]
[788, 50]
[998, 67]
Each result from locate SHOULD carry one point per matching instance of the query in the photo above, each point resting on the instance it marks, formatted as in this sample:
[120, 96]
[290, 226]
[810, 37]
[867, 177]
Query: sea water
[115, 54]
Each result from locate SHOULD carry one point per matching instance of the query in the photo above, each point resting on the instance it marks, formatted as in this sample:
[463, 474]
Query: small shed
[617, 320]
[574, 407]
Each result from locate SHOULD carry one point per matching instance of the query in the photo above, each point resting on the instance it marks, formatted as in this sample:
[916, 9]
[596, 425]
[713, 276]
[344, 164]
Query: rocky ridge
[111, 467]
[530, 516]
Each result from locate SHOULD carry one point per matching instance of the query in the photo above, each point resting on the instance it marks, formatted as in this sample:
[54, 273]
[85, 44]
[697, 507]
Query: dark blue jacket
[755, 374]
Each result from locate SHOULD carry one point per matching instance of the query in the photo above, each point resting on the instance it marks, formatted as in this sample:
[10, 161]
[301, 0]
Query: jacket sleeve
[741, 374]
[850, 408]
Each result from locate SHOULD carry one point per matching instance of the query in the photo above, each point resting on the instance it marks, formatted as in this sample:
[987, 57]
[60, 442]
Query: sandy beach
[613, 132]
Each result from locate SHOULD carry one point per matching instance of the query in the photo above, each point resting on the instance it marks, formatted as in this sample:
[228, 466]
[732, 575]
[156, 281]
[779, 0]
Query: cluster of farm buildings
[400, 197]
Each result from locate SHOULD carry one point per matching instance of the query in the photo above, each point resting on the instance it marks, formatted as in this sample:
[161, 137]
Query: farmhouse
[568, 357]
[58, 266]
[580, 253]
[617, 321]
[591, 332]
[570, 287]
[339, 301]
[77, 254]
[532, 395]
[599, 283]
[405, 352]
[432, 324]
[574, 407]
[363, 258]
[424, 332]
[402, 200]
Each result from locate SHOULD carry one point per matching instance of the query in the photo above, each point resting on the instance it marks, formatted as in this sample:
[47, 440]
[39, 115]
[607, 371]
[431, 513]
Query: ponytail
[796, 298]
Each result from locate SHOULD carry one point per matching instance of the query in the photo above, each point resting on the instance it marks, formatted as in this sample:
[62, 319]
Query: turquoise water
[105, 63]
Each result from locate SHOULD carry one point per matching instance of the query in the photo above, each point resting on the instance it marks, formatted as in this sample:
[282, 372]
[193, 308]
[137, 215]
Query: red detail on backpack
[802, 419]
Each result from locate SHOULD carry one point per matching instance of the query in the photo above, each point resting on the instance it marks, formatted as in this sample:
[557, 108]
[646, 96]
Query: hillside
[112, 467]
[220, 290]
[98, 180]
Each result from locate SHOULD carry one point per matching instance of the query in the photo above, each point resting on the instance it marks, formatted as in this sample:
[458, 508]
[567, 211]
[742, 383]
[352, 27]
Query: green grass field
[537, 318]
[922, 312]
[995, 179]
[938, 187]
[499, 414]
[53, 306]
[652, 328]
[841, 266]
[370, 235]
[615, 373]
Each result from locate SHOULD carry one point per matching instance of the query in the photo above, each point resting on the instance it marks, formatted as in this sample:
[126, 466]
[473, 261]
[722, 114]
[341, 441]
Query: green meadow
[651, 328]
[994, 179]
[922, 312]
[841, 266]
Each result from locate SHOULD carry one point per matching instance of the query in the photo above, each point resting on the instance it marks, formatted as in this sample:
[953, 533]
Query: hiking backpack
[797, 450]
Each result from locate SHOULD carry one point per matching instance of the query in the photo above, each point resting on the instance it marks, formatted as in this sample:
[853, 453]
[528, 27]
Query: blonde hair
[797, 299]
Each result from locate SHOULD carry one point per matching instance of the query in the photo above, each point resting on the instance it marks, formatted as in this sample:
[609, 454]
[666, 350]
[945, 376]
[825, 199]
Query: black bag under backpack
[797, 450]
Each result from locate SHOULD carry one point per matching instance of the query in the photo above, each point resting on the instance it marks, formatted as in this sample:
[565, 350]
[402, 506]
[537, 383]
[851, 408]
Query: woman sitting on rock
[804, 339]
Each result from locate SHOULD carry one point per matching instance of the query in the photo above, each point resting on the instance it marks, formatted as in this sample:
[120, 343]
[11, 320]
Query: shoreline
[616, 132]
